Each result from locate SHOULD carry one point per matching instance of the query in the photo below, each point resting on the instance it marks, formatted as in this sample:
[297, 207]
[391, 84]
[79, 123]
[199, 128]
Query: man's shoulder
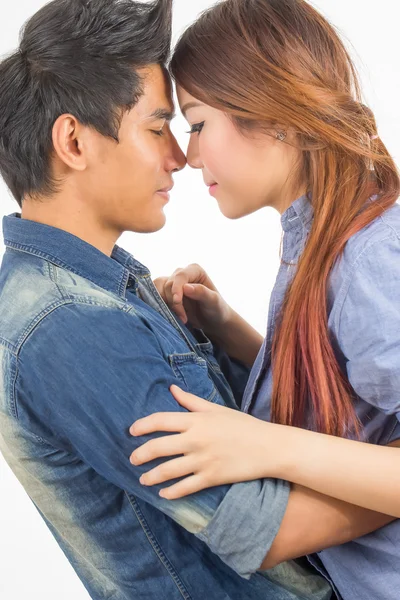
[34, 290]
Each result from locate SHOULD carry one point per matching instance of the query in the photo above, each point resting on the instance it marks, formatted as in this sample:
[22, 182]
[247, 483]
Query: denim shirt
[87, 346]
[364, 324]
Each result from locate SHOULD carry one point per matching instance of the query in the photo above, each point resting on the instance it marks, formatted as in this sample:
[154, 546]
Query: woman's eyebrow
[188, 105]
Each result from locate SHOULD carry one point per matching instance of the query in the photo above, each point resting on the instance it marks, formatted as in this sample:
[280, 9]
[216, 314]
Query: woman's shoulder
[384, 230]
[371, 258]
[364, 316]
[375, 243]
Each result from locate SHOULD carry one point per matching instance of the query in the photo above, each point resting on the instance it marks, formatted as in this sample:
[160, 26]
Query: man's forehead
[156, 101]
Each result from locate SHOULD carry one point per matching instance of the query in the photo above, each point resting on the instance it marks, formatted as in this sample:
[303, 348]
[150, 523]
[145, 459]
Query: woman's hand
[216, 445]
[193, 297]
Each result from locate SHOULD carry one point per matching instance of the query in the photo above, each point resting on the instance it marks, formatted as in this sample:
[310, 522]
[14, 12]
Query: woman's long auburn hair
[270, 62]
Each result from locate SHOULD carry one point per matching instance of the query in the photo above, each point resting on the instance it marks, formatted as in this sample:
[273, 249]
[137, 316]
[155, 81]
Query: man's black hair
[78, 57]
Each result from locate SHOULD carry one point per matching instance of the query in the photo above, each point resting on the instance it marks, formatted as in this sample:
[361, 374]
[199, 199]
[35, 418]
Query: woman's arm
[222, 445]
[358, 473]
[313, 522]
[226, 446]
[238, 338]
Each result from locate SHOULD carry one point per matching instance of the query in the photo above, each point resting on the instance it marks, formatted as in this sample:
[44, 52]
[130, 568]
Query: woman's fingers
[174, 295]
[179, 278]
[173, 422]
[193, 283]
[199, 292]
[189, 485]
[191, 402]
[172, 469]
[191, 274]
[160, 286]
[162, 447]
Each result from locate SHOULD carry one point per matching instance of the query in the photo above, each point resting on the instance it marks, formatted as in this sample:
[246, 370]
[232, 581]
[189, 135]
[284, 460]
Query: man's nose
[177, 158]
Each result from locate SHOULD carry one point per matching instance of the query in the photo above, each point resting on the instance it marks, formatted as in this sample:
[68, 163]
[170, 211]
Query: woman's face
[245, 172]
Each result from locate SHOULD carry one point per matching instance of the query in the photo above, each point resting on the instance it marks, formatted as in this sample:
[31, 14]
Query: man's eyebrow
[188, 105]
[163, 113]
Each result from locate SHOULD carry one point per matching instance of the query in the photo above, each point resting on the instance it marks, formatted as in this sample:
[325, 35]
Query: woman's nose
[192, 155]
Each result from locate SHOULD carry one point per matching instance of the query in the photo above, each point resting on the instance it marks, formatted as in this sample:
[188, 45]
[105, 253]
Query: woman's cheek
[218, 160]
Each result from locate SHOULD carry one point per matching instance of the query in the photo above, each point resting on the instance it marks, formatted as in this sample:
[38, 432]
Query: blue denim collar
[72, 253]
[299, 215]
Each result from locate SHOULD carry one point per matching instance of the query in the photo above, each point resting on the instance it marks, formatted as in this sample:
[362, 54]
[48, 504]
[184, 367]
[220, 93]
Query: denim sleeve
[85, 375]
[368, 326]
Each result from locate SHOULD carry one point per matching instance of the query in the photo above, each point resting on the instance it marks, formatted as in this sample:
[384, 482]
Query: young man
[87, 345]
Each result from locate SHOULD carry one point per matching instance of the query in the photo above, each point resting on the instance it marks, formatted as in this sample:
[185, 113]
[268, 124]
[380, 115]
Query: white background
[241, 257]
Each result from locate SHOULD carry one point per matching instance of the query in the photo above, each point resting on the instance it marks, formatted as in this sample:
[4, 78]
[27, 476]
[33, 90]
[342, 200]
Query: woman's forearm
[238, 338]
[358, 473]
[313, 522]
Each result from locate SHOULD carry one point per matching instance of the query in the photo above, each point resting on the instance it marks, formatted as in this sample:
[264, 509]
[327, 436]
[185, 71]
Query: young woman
[276, 120]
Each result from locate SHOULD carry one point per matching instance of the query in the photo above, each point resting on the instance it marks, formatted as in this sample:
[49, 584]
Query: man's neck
[73, 217]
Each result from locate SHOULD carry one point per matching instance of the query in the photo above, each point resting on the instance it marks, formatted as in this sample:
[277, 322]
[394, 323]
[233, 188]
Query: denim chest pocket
[205, 348]
[192, 370]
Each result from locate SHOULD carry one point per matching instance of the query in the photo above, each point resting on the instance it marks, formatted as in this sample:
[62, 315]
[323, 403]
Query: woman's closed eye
[196, 128]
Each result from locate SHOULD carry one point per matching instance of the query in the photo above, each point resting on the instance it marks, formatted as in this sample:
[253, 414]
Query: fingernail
[142, 480]
[189, 287]
[175, 299]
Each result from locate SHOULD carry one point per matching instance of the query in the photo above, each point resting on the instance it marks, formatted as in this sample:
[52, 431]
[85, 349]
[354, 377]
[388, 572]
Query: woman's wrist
[237, 337]
[289, 447]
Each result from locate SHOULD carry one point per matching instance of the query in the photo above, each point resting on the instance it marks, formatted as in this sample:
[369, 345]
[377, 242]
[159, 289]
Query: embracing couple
[171, 450]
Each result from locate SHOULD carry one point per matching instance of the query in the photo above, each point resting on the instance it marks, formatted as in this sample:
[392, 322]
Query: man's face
[127, 184]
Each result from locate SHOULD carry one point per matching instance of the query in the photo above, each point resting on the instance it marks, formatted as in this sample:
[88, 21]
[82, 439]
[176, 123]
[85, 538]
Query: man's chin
[151, 226]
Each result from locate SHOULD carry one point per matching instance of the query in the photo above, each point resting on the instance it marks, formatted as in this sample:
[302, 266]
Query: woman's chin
[233, 210]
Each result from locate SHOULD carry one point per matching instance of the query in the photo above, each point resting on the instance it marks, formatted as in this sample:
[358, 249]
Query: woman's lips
[212, 188]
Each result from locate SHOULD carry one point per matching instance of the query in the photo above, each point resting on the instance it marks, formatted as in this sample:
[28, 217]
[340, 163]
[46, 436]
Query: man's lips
[164, 192]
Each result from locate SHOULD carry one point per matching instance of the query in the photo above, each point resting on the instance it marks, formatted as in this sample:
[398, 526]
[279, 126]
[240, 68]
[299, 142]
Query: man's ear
[68, 141]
